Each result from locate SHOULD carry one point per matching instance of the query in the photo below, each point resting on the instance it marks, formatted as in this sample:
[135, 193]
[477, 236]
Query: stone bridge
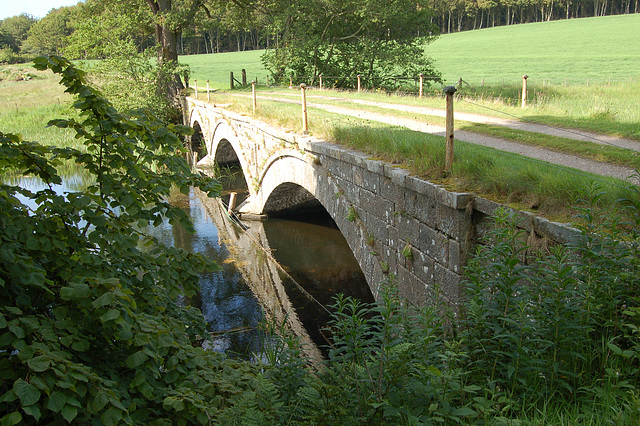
[394, 223]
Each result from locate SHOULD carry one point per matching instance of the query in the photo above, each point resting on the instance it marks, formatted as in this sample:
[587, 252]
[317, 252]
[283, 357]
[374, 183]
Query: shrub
[556, 325]
[92, 327]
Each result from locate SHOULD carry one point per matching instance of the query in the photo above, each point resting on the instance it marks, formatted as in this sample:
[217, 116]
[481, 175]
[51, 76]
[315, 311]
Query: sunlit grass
[27, 106]
[524, 183]
[597, 59]
[571, 50]
[606, 109]
[585, 149]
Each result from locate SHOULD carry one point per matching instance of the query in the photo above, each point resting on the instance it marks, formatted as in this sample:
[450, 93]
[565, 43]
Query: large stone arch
[294, 181]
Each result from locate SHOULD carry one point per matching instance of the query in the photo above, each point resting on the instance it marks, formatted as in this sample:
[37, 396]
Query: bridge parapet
[394, 223]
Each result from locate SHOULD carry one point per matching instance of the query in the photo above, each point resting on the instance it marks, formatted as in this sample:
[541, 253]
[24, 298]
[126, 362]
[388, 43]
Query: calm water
[285, 271]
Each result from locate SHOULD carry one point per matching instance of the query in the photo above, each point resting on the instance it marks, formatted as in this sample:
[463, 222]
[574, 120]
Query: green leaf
[10, 396]
[75, 291]
[26, 392]
[100, 401]
[11, 419]
[112, 416]
[33, 411]
[16, 330]
[39, 363]
[105, 299]
[464, 411]
[57, 400]
[69, 412]
[136, 359]
[614, 348]
[111, 314]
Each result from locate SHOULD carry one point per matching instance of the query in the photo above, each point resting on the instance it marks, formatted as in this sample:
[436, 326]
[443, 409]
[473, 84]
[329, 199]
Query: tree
[130, 24]
[378, 40]
[92, 327]
[14, 30]
[48, 35]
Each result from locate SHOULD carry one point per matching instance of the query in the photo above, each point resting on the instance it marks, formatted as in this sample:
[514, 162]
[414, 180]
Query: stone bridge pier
[394, 223]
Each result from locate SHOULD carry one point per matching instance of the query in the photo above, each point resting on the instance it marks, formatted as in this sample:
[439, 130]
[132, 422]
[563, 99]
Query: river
[279, 271]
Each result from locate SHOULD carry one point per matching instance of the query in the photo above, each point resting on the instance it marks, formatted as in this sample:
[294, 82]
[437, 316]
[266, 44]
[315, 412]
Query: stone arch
[225, 147]
[294, 181]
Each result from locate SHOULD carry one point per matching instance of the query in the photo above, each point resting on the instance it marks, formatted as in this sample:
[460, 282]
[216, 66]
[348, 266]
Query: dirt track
[541, 154]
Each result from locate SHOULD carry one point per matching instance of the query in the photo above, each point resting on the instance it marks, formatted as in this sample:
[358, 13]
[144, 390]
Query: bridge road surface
[541, 154]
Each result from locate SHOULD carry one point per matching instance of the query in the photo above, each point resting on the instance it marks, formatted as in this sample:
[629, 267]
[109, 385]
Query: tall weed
[557, 324]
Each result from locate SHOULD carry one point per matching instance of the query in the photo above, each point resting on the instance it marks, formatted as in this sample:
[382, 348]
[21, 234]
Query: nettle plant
[92, 327]
[562, 324]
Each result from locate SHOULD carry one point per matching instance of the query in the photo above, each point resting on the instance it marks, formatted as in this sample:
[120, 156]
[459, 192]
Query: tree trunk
[169, 83]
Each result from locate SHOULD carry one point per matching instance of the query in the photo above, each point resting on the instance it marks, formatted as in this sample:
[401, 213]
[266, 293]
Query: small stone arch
[225, 148]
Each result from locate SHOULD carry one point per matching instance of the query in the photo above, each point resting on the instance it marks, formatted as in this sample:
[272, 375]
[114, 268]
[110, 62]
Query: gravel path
[564, 160]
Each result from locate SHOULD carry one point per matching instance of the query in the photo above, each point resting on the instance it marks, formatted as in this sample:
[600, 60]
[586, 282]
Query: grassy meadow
[28, 100]
[573, 50]
[599, 49]
[583, 73]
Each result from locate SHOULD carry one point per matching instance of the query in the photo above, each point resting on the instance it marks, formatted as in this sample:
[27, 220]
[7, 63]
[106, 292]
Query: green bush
[559, 326]
[92, 327]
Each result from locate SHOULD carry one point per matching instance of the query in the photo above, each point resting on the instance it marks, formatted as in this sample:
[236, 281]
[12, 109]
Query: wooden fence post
[253, 92]
[320, 81]
[290, 82]
[421, 84]
[358, 83]
[231, 80]
[244, 77]
[305, 124]
[449, 91]
[460, 83]
[524, 90]
[208, 94]
[195, 87]
[268, 80]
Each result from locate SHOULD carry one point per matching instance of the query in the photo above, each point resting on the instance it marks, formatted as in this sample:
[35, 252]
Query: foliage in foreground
[558, 326]
[92, 327]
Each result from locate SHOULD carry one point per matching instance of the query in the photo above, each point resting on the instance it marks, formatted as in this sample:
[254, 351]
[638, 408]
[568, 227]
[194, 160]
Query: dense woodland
[238, 26]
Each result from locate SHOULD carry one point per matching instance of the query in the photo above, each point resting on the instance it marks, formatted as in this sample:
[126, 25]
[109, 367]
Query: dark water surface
[285, 271]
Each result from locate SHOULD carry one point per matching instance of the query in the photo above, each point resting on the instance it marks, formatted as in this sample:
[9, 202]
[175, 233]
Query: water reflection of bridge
[259, 271]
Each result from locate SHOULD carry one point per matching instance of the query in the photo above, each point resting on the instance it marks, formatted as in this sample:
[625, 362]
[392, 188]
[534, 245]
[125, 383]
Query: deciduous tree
[376, 39]
[14, 31]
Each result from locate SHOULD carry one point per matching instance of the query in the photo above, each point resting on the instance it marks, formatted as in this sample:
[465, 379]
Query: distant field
[573, 50]
[576, 49]
[216, 67]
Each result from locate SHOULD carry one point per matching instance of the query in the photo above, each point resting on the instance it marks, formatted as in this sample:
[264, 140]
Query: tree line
[462, 15]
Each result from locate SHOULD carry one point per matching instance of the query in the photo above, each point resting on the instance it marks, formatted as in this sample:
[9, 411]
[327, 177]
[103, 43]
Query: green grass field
[216, 68]
[576, 50]
[27, 106]
[573, 50]
[583, 73]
